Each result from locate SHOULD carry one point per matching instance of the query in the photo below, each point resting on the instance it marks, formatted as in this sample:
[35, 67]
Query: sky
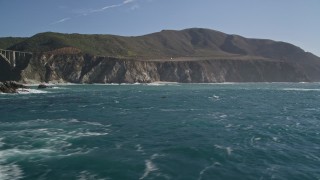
[293, 21]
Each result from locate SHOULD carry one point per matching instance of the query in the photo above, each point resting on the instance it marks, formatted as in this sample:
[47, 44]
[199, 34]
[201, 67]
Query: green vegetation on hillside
[189, 43]
[7, 42]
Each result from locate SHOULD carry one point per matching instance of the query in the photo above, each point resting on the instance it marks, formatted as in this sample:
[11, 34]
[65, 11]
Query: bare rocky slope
[191, 55]
[91, 69]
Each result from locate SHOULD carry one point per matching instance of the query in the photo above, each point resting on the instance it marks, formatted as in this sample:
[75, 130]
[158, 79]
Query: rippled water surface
[162, 131]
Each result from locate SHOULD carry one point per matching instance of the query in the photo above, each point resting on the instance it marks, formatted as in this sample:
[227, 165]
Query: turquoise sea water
[173, 131]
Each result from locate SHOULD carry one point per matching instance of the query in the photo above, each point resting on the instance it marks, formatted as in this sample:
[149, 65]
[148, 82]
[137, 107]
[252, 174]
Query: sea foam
[30, 91]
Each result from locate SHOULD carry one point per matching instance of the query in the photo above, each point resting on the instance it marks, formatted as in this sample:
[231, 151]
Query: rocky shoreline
[11, 87]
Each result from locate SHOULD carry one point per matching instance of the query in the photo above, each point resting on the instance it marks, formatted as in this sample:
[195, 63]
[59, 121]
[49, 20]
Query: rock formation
[10, 87]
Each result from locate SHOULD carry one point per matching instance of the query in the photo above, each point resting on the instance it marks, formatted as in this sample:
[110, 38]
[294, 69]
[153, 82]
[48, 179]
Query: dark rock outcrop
[43, 86]
[10, 87]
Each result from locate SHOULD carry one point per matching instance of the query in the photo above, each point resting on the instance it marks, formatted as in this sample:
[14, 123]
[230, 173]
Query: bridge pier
[13, 59]
[12, 56]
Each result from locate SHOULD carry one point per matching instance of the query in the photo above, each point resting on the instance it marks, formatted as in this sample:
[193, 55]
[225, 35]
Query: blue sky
[293, 21]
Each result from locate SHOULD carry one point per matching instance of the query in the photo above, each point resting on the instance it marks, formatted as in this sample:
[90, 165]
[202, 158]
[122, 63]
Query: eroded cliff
[79, 68]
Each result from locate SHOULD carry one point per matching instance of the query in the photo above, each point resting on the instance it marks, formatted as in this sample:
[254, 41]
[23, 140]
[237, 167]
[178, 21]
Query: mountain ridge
[166, 55]
[166, 43]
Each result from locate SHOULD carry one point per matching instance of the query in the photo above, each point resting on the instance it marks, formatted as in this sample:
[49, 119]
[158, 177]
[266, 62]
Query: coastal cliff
[188, 56]
[91, 69]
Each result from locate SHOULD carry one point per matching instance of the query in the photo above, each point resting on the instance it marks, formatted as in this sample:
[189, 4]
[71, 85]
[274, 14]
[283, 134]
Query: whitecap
[156, 84]
[85, 134]
[73, 120]
[214, 97]
[8, 153]
[257, 139]
[61, 110]
[150, 167]
[93, 123]
[78, 133]
[206, 169]
[249, 127]
[10, 172]
[139, 148]
[299, 89]
[223, 116]
[173, 110]
[55, 87]
[218, 146]
[227, 149]
[85, 175]
[106, 84]
[30, 91]
[1, 142]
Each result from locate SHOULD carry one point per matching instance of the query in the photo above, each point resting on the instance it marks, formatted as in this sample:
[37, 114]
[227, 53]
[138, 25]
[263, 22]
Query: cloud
[86, 12]
[61, 20]
[127, 1]
[112, 6]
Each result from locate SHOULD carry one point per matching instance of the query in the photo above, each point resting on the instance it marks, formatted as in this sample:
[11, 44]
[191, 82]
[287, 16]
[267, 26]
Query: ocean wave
[162, 83]
[46, 138]
[139, 148]
[10, 172]
[299, 89]
[48, 122]
[15, 152]
[107, 84]
[56, 87]
[1, 142]
[228, 150]
[54, 111]
[85, 134]
[156, 84]
[207, 168]
[214, 97]
[149, 166]
[30, 91]
[86, 175]
[173, 110]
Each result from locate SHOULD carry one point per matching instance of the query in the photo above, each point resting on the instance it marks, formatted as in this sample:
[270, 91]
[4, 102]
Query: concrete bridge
[12, 56]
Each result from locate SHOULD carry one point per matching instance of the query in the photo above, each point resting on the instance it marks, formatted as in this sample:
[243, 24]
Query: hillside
[210, 48]
[193, 42]
[7, 42]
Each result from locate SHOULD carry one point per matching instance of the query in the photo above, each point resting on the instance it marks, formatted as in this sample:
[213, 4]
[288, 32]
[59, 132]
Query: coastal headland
[188, 56]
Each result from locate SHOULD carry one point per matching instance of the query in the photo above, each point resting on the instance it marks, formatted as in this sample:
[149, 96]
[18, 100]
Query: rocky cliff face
[191, 55]
[77, 68]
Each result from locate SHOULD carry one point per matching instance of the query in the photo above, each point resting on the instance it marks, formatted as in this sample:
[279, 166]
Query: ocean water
[162, 131]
